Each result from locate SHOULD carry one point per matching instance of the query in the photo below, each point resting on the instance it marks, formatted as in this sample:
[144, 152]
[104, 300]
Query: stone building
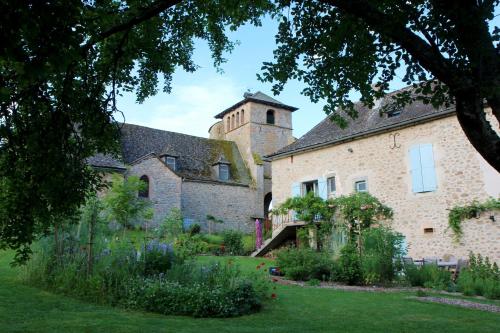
[223, 176]
[416, 160]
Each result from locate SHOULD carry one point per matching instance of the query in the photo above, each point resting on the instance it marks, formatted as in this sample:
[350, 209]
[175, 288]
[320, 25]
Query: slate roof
[106, 162]
[258, 97]
[369, 122]
[195, 155]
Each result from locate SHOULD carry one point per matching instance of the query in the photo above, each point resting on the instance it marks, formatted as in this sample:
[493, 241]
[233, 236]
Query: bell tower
[259, 125]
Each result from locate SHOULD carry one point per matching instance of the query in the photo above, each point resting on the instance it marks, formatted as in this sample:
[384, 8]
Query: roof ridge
[177, 133]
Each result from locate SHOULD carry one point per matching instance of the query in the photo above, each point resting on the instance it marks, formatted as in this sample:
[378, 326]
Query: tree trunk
[477, 128]
[90, 254]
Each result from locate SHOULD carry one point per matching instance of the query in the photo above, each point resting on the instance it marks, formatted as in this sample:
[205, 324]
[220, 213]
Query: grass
[297, 309]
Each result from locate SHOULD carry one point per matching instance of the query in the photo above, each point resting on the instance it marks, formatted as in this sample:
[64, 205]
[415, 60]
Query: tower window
[270, 117]
[223, 172]
[233, 125]
[242, 116]
[144, 192]
[228, 124]
[237, 119]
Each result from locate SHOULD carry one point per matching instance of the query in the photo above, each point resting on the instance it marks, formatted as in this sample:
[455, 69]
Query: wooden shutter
[322, 188]
[423, 172]
[295, 190]
[428, 168]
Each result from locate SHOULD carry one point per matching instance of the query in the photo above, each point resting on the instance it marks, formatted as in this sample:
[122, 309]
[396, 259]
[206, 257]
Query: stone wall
[462, 176]
[164, 186]
[233, 204]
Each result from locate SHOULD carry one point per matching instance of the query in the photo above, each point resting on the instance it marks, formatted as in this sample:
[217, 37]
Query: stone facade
[233, 204]
[462, 176]
[164, 186]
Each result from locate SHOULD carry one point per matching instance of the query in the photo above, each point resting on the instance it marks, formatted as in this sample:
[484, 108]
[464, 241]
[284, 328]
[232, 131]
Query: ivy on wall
[459, 213]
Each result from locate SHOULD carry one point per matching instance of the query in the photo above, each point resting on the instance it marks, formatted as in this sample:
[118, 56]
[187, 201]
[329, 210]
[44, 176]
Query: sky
[197, 97]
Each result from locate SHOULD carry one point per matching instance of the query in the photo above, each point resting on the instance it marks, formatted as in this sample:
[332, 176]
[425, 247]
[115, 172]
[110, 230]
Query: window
[144, 193]
[270, 117]
[360, 186]
[228, 123]
[233, 124]
[237, 119]
[242, 116]
[393, 113]
[170, 161]
[331, 185]
[311, 186]
[423, 173]
[223, 172]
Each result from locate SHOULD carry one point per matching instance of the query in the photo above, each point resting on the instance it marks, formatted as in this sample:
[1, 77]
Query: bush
[157, 257]
[382, 254]
[150, 281]
[349, 266]
[480, 278]
[428, 276]
[233, 243]
[187, 246]
[304, 264]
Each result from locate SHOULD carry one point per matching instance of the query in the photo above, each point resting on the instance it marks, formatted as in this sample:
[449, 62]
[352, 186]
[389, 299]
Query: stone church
[225, 176]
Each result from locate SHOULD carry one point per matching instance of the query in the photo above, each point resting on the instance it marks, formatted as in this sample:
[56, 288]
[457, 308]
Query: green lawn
[25, 309]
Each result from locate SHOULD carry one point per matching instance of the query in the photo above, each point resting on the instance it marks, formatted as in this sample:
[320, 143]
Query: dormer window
[223, 172]
[393, 113]
[171, 162]
[270, 117]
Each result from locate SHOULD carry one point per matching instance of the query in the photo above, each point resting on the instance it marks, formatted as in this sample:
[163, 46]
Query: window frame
[329, 190]
[303, 187]
[169, 164]
[144, 193]
[360, 181]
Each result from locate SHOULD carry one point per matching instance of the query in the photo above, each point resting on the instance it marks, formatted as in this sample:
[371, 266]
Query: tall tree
[63, 62]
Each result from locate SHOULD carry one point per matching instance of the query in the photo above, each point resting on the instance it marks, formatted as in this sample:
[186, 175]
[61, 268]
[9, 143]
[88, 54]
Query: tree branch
[440, 67]
[155, 9]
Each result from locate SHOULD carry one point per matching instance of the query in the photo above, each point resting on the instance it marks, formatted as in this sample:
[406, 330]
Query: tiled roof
[369, 121]
[258, 97]
[106, 162]
[195, 155]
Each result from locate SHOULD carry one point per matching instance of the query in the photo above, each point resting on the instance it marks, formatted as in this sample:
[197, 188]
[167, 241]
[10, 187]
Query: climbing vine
[459, 213]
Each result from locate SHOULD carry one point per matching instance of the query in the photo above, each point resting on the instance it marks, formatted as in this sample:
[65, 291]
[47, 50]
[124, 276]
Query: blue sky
[197, 97]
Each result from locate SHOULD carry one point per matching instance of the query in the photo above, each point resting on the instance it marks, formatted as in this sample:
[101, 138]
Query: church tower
[259, 125]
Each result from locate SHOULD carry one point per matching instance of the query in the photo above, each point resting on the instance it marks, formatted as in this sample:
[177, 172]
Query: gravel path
[460, 302]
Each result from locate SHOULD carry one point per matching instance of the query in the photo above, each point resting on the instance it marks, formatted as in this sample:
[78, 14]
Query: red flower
[273, 295]
[263, 264]
[275, 280]
[258, 267]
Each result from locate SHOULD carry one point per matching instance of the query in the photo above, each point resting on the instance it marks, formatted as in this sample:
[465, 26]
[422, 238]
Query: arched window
[228, 123]
[233, 125]
[270, 117]
[242, 116]
[144, 193]
[237, 119]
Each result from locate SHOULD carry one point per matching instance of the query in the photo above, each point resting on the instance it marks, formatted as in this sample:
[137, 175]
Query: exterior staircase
[284, 233]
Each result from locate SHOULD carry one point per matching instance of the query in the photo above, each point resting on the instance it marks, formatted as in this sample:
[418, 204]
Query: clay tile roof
[258, 97]
[369, 121]
[195, 155]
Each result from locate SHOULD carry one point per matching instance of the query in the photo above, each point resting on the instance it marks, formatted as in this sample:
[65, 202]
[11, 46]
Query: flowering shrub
[157, 257]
